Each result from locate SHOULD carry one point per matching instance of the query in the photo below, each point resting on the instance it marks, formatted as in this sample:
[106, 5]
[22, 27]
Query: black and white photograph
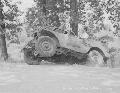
[59, 46]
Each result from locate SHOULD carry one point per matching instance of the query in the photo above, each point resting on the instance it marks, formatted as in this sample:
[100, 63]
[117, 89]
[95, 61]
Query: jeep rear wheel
[46, 46]
[29, 58]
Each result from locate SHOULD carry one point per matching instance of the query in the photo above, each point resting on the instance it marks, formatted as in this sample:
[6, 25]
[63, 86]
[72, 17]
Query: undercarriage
[62, 55]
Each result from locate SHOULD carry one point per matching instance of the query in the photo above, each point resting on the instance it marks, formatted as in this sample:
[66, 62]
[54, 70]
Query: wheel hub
[46, 46]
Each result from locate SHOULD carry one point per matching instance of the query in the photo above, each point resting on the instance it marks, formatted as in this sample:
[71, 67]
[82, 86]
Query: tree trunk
[3, 48]
[74, 27]
[74, 16]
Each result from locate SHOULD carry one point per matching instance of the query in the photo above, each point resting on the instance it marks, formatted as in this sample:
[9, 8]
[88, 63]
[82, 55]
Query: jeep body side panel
[71, 42]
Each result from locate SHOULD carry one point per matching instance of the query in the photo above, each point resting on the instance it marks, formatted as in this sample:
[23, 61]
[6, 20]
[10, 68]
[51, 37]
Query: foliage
[47, 14]
[100, 15]
[94, 15]
[11, 14]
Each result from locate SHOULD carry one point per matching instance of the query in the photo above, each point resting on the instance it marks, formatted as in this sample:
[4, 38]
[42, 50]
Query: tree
[48, 13]
[8, 20]
[3, 48]
[11, 18]
[74, 15]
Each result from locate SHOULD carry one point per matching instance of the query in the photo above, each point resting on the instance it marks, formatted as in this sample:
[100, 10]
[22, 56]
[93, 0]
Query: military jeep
[54, 46]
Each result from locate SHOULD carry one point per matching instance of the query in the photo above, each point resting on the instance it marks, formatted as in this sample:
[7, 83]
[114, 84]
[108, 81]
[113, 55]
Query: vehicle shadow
[63, 59]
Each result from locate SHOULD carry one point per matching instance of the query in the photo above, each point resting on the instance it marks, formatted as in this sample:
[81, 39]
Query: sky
[25, 4]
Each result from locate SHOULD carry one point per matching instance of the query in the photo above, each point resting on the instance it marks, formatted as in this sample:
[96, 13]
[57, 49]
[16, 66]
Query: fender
[50, 34]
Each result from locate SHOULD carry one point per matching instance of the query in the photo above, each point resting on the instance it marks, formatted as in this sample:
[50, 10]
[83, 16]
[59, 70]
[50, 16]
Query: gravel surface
[51, 78]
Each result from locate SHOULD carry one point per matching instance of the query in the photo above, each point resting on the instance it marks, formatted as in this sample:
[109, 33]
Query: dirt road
[49, 78]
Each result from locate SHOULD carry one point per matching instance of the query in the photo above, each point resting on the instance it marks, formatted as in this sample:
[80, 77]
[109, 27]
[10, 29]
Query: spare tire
[46, 46]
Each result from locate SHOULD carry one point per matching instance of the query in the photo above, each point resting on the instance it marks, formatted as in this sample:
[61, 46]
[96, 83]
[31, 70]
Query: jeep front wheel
[96, 57]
